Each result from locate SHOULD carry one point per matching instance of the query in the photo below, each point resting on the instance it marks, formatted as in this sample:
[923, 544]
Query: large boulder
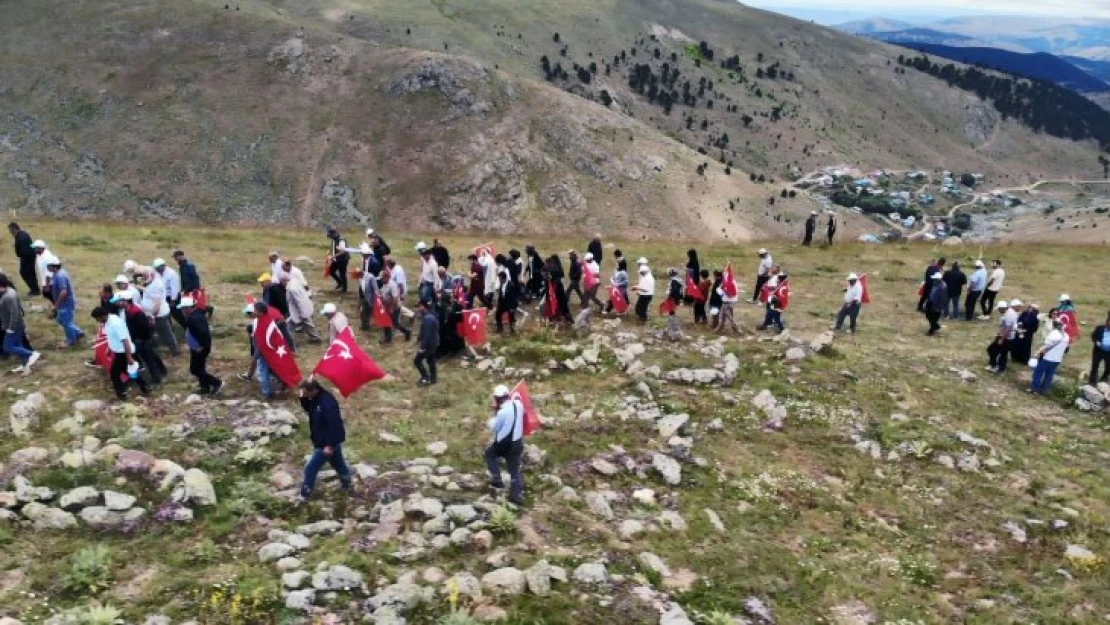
[506, 581]
[80, 497]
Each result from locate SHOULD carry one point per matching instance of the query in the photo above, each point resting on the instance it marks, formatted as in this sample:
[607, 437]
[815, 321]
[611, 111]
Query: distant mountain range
[1072, 54]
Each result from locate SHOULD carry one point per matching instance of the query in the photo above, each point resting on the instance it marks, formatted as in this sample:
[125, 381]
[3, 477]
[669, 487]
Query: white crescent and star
[280, 349]
[344, 352]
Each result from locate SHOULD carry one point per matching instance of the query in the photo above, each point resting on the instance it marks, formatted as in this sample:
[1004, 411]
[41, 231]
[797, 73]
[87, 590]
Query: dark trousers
[642, 304]
[164, 330]
[1022, 348]
[27, 272]
[699, 312]
[146, 354]
[830, 235]
[512, 452]
[339, 272]
[772, 318]
[969, 304]
[427, 358]
[1099, 357]
[176, 314]
[809, 238]
[317, 462]
[999, 352]
[575, 286]
[987, 303]
[849, 311]
[934, 320]
[198, 366]
[502, 312]
[479, 295]
[923, 299]
[759, 282]
[396, 317]
[120, 379]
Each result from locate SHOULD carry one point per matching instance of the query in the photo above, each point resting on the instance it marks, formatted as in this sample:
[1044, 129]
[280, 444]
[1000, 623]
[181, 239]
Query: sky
[923, 11]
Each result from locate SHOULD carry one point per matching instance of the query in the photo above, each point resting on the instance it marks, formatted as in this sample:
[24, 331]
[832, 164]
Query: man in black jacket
[1100, 354]
[427, 344]
[440, 253]
[574, 267]
[936, 301]
[199, 338]
[325, 427]
[339, 258]
[954, 280]
[927, 282]
[142, 335]
[26, 255]
[811, 227]
[595, 248]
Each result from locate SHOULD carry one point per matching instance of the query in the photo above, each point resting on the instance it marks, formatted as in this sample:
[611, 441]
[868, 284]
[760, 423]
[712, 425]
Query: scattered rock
[604, 467]
[795, 354]
[505, 581]
[591, 573]
[653, 562]
[715, 520]
[294, 579]
[198, 488]
[437, 448]
[337, 577]
[300, 599]
[759, 611]
[630, 528]
[670, 425]
[599, 505]
[80, 497]
[667, 467]
[24, 414]
[275, 551]
[44, 517]
[320, 528]
[134, 461]
[118, 502]
[852, 613]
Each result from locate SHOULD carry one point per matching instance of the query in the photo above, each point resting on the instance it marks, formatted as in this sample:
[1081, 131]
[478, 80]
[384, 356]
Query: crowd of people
[143, 311]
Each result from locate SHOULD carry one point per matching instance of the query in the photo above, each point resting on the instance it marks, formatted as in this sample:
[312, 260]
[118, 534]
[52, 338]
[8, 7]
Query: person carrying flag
[477, 288]
[123, 360]
[730, 294]
[674, 292]
[853, 300]
[697, 292]
[618, 286]
[389, 301]
[507, 426]
[1100, 353]
[645, 290]
[715, 298]
[763, 274]
[777, 301]
[337, 321]
[1069, 317]
[325, 428]
[508, 298]
[591, 281]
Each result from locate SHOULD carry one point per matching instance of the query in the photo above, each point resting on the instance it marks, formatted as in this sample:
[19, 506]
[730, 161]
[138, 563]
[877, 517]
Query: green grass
[811, 523]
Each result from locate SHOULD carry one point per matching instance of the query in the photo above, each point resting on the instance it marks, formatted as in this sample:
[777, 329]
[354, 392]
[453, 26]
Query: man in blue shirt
[427, 344]
[975, 285]
[325, 427]
[119, 342]
[507, 426]
[64, 303]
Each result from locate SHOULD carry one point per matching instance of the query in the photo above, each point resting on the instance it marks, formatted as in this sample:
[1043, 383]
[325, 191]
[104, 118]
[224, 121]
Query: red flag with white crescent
[728, 283]
[692, 290]
[485, 248]
[782, 293]
[532, 420]
[101, 353]
[616, 298]
[347, 366]
[270, 342]
[551, 306]
[382, 318]
[1070, 321]
[473, 326]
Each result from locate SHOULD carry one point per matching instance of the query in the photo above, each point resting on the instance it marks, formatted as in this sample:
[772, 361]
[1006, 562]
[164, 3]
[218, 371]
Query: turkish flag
[347, 366]
[101, 353]
[200, 298]
[473, 326]
[485, 248]
[327, 266]
[382, 318]
[1070, 321]
[866, 299]
[692, 290]
[532, 420]
[728, 283]
[782, 294]
[249, 298]
[667, 307]
[460, 293]
[590, 278]
[616, 298]
[270, 342]
[551, 306]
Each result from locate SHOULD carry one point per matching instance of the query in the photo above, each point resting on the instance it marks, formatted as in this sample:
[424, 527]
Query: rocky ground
[758, 478]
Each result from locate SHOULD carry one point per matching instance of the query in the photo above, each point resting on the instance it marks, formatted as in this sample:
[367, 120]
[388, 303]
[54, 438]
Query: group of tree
[1040, 105]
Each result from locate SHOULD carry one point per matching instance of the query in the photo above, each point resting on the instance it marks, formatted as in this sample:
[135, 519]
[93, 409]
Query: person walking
[936, 266]
[440, 253]
[156, 306]
[429, 273]
[534, 274]
[326, 431]
[716, 298]
[141, 329]
[507, 300]
[26, 255]
[337, 321]
[938, 301]
[391, 301]
[975, 287]
[954, 281]
[999, 349]
[172, 281]
[994, 285]
[1049, 357]
[476, 290]
[198, 337]
[1028, 322]
[123, 370]
[645, 290]
[596, 249]
[763, 273]
[507, 426]
[693, 270]
[14, 326]
[427, 343]
[574, 278]
[811, 227]
[591, 277]
[853, 301]
[777, 302]
[65, 303]
[300, 301]
[703, 284]
[1100, 353]
[620, 280]
[830, 228]
[338, 258]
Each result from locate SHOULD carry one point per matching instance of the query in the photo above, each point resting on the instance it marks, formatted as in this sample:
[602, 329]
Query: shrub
[94, 614]
[502, 521]
[457, 617]
[90, 570]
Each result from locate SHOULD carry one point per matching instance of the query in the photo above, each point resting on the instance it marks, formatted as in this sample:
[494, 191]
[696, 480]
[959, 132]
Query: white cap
[589, 256]
[1064, 297]
[248, 309]
[129, 265]
[1015, 303]
[39, 244]
[853, 276]
[812, 212]
[421, 246]
[158, 262]
[328, 309]
[122, 278]
[979, 263]
[1003, 304]
[369, 232]
[53, 260]
[365, 249]
[642, 261]
[501, 391]
[937, 276]
[762, 251]
[186, 302]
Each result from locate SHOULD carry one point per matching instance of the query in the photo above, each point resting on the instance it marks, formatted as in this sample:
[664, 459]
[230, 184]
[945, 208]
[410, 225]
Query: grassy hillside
[438, 113]
[896, 493]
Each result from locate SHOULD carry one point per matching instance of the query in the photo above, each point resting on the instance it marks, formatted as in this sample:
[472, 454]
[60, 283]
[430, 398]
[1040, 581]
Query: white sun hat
[501, 391]
[328, 309]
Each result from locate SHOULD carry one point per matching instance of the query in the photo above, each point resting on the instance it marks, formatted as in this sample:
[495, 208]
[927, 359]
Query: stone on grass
[294, 579]
[134, 461]
[644, 496]
[30, 456]
[465, 584]
[288, 563]
[337, 577]
[198, 488]
[462, 513]
[654, 563]
[599, 505]
[630, 528]
[44, 517]
[320, 528]
[539, 577]
[27, 492]
[119, 502]
[437, 448]
[604, 467]
[667, 467]
[794, 354]
[100, 517]
[80, 497]
[24, 414]
[591, 573]
[669, 425]
[169, 471]
[400, 597]
[505, 581]
[300, 599]
[482, 540]
[759, 611]
[672, 520]
[673, 614]
[715, 520]
[275, 551]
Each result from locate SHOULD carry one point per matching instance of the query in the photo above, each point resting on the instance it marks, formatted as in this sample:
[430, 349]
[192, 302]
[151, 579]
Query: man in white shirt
[155, 305]
[276, 266]
[994, 285]
[999, 349]
[43, 260]
[645, 289]
[489, 283]
[507, 426]
[172, 280]
[119, 342]
[337, 321]
[429, 273]
[762, 274]
[853, 300]
[1049, 358]
[300, 302]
